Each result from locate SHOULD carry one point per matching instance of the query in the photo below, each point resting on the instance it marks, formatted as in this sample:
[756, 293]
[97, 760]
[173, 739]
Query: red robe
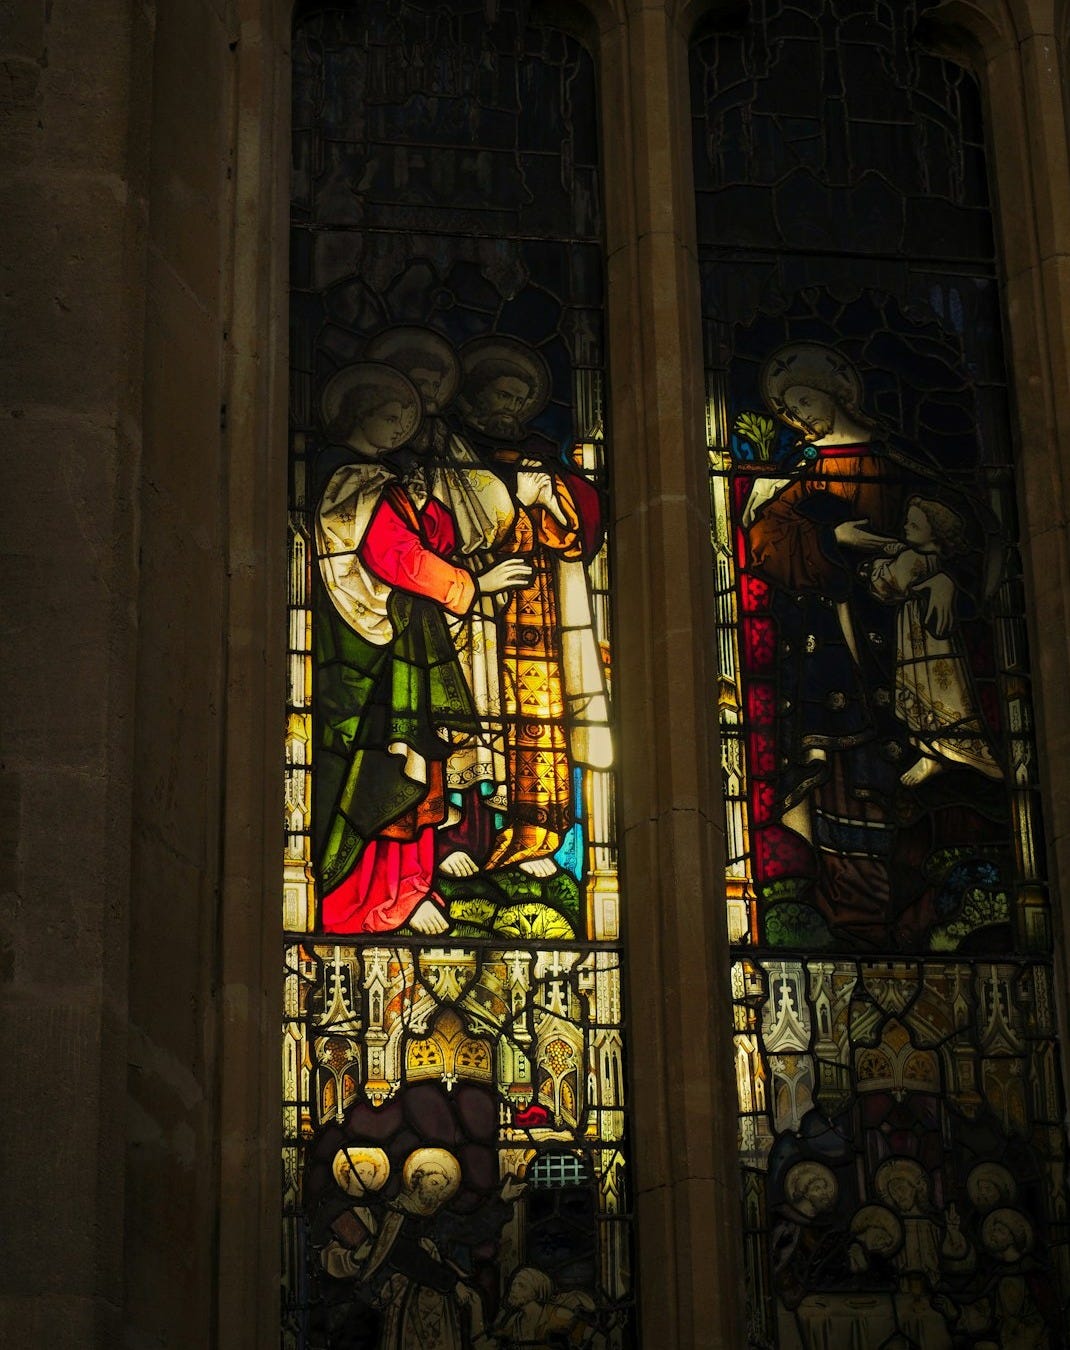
[406, 549]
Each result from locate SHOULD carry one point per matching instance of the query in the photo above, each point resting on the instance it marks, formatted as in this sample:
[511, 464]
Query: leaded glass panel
[455, 1117]
[901, 1111]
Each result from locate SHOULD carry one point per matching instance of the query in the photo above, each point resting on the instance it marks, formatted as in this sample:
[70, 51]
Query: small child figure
[934, 695]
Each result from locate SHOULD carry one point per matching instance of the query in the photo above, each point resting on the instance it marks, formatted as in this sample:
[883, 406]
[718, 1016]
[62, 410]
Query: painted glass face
[384, 426]
[894, 1019]
[455, 1165]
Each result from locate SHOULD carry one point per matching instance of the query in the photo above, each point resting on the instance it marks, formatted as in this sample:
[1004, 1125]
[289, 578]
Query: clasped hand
[535, 487]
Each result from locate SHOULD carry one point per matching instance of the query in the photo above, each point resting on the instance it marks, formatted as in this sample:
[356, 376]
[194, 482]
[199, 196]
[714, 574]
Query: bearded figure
[554, 700]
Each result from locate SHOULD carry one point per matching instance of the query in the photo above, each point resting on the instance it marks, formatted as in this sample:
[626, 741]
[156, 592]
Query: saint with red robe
[391, 695]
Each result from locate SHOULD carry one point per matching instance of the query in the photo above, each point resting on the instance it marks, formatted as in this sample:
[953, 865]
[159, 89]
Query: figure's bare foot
[428, 919]
[459, 863]
[924, 768]
[538, 867]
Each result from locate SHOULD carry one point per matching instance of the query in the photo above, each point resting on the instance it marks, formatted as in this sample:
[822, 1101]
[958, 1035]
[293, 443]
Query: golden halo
[432, 1159]
[801, 1173]
[811, 365]
[998, 1176]
[409, 347]
[877, 1216]
[487, 358]
[358, 1169]
[1016, 1223]
[899, 1167]
[353, 392]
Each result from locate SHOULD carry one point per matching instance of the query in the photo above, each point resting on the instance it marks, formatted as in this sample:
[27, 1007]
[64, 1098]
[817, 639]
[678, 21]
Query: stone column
[76, 80]
[257, 447]
[683, 1112]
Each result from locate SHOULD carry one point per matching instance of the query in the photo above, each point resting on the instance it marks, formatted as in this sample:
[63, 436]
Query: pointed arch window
[455, 1119]
[902, 1144]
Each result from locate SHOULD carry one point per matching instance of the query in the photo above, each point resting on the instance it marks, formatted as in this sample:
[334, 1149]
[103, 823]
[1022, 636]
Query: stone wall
[74, 209]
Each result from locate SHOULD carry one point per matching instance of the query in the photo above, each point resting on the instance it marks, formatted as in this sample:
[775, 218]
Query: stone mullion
[682, 1088]
[246, 1306]
[1038, 308]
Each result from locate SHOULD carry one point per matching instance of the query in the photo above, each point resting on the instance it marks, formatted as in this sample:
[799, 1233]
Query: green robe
[367, 698]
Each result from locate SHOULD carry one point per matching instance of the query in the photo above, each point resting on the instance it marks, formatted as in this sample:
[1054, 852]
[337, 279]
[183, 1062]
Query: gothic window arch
[788, 1083]
[905, 1168]
[451, 897]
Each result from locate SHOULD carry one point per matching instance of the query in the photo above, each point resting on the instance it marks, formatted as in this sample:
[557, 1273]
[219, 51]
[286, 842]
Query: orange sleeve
[564, 539]
[786, 547]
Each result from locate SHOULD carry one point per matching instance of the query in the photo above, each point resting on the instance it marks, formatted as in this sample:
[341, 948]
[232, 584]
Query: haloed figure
[428, 1302]
[483, 514]
[391, 693]
[812, 537]
[352, 1220]
[554, 699]
[501, 392]
[421, 1296]
[343, 1230]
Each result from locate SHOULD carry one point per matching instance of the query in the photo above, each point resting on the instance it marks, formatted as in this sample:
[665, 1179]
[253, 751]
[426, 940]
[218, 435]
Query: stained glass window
[901, 1113]
[454, 1117]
